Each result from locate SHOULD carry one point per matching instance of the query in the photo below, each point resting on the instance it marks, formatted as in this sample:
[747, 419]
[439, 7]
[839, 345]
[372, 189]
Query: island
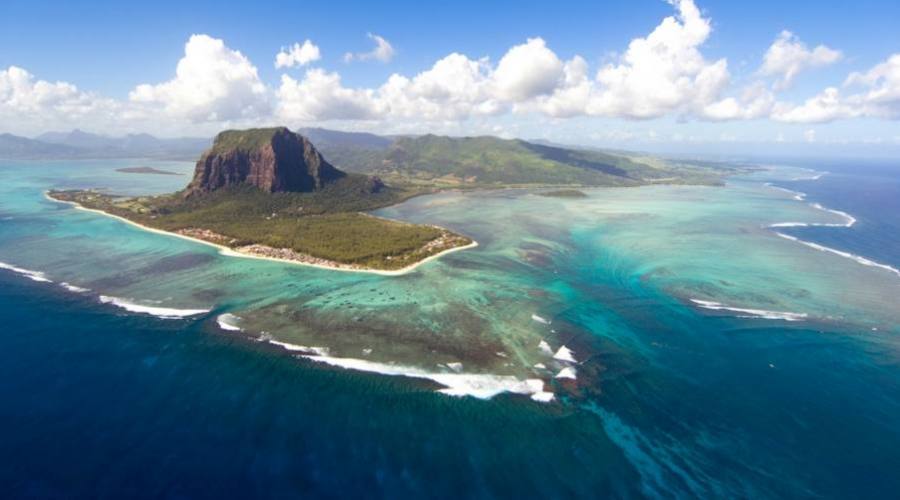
[564, 193]
[268, 193]
[145, 170]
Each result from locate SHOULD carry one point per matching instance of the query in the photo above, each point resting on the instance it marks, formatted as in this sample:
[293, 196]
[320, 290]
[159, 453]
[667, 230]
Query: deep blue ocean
[99, 403]
[867, 189]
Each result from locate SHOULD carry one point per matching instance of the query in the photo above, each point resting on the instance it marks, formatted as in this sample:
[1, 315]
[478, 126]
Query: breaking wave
[478, 385]
[32, 275]
[160, 312]
[858, 258]
[751, 313]
[75, 289]
[849, 221]
[540, 319]
[796, 194]
[228, 322]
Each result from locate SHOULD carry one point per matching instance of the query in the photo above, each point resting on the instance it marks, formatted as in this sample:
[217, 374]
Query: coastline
[230, 252]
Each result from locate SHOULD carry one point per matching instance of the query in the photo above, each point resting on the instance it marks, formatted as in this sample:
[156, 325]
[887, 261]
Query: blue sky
[106, 50]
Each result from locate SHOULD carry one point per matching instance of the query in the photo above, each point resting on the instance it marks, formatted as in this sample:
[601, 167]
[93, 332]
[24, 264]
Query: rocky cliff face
[273, 160]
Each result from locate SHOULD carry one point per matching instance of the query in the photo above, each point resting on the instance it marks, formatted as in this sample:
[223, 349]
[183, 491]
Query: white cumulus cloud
[755, 101]
[455, 88]
[788, 56]
[527, 71]
[659, 74]
[212, 83]
[825, 106]
[873, 94]
[881, 97]
[320, 96]
[572, 95]
[662, 73]
[383, 51]
[31, 105]
[297, 55]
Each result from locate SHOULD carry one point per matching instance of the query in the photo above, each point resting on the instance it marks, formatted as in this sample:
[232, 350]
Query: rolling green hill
[440, 161]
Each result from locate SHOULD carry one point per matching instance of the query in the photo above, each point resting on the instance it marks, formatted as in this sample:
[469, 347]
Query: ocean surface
[663, 341]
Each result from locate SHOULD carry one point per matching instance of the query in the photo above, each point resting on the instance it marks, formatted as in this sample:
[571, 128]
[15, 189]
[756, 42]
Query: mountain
[269, 193]
[88, 145]
[329, 139]
[269, 159]
[490, 161]
[353, 151]
[423, 162]
[15, 147]
[78, 139]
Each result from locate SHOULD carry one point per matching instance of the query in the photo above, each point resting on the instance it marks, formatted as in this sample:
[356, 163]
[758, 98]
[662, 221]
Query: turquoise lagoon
[668, 333]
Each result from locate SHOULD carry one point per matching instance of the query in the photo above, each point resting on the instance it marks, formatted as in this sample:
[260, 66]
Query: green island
[564, 193]
[269, 193]
[145, 170]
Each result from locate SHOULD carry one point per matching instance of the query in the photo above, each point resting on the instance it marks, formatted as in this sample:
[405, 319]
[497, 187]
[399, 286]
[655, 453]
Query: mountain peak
[270, 159]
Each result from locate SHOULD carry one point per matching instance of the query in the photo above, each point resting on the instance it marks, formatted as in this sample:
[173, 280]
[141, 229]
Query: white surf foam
[478, 385]
[564, 354]
[849, 221]
[73, 288]
[822, 248]
[160, 312]
[755, 313]
[539, 319]
[789, 224]
[228, 322]
[545, 348]
[797, 195]
[32, 275]
[318, 351]
[543, 397]
[567, 372]
[811, 178]
[457, 367]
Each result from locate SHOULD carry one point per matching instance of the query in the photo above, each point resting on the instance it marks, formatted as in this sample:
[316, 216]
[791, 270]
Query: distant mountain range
[78, 144]
[426, 160]
[15, 147]
[333, 139]
[487, 161]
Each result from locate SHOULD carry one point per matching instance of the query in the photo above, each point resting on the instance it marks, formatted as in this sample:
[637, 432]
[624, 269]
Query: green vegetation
[324, 225]
[343, 237]
[564, 193]
[483, 162]
[243, 140]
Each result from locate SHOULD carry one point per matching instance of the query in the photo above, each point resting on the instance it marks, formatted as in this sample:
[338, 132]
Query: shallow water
[670, 398]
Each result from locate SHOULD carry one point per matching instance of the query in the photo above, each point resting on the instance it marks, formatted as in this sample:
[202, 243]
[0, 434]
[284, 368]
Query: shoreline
[230, 252]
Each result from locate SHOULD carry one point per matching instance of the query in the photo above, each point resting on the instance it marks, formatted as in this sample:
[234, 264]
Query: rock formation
[271, 159]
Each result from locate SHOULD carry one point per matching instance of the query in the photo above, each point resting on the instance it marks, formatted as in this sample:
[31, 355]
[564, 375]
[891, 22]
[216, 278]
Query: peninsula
[145, 170]
[268, 193]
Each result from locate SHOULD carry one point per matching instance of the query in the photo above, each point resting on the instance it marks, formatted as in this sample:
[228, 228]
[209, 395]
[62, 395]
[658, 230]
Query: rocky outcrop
[272, 160]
